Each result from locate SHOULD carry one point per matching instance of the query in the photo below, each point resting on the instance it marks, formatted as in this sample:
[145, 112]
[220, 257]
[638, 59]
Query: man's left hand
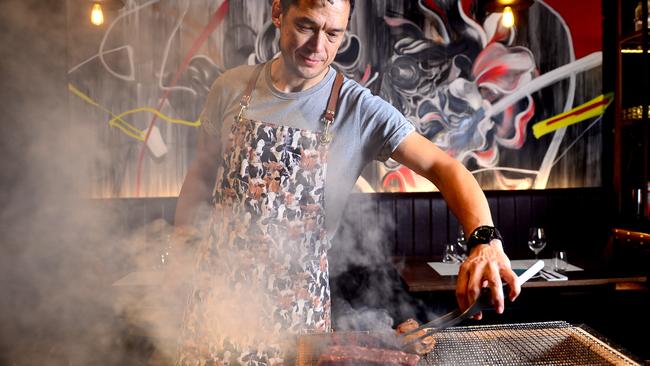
[486, 266]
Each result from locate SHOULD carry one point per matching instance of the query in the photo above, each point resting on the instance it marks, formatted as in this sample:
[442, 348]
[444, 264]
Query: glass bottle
[637, 16]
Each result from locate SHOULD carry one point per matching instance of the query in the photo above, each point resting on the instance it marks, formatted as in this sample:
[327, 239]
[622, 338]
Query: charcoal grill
[545, 343]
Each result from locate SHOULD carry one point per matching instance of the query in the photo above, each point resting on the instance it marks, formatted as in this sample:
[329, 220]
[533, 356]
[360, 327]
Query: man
[273, 135]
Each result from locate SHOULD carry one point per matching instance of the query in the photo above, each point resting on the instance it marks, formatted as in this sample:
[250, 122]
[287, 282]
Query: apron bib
[262, 274]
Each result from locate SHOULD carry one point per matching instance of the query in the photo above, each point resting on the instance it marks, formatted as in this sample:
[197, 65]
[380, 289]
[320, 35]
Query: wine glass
[461, 244]
[449, 255]
[536, 240]
[560, 261]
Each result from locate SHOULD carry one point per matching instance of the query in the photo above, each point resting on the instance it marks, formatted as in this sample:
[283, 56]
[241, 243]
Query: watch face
[486, 234]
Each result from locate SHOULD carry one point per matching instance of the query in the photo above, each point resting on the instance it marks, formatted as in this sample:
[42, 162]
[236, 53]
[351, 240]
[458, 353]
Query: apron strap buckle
[326, 137]
[240, 115]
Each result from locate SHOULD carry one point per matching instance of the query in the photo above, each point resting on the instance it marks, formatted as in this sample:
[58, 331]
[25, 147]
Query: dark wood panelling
[573, 218]
[522, 218]
[131, 214]
[169, 210]
[422, 227]
[538, 211]
[368, 212]
[506, 213]
[452, 227]
[346, 232]
[439, 225]
[404, 230]
[418, 224]
[493, 202]
[386, 220]
[135, 213]
[562, 231]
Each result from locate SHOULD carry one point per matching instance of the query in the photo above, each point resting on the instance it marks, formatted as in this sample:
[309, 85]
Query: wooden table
[418, 276]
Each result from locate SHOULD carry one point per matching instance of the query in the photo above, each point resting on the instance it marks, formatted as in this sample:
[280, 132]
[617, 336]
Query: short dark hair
[285, 4]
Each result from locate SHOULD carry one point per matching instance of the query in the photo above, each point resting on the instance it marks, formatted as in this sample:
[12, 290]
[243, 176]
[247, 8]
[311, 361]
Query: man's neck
[285, 82]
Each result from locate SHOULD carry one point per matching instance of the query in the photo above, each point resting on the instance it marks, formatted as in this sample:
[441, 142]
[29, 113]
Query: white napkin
[451, 269]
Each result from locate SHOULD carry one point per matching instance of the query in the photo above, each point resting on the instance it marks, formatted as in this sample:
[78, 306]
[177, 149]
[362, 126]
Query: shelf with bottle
[634, 171]
[631, 39]
[632, 115]
[632, 43]
[638, 16]
[631, 131]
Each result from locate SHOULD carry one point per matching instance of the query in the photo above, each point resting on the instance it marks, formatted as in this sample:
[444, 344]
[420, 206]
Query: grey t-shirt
[365, 127]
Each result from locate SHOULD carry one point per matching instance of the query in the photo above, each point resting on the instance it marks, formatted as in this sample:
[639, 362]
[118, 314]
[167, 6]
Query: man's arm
[199, 182]
[487, 264]
[196, 191]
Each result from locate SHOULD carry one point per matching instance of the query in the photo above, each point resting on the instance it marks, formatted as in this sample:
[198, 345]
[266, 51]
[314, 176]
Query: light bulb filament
[508, 17]
[97, 15]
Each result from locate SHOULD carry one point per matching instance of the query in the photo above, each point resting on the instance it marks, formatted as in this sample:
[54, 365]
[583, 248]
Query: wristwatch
[482, 235]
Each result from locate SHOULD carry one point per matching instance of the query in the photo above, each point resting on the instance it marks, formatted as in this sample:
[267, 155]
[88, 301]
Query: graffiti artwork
[479, 90]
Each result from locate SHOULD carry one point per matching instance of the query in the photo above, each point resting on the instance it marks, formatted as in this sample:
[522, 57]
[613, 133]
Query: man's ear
[276, 13]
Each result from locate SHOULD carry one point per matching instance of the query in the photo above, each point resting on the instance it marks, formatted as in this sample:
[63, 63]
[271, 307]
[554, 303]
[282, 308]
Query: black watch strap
[482, 235]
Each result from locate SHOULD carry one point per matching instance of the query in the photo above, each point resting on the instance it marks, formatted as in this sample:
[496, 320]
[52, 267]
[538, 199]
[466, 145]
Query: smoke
[64, 255]
[60, 253]
[367, 291]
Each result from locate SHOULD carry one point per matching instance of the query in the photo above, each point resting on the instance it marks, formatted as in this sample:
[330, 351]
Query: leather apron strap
[334, 97]
[330, 111]
[246, 97]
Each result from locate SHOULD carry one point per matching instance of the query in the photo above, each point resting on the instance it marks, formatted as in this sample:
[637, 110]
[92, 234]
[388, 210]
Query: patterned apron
[262, 274]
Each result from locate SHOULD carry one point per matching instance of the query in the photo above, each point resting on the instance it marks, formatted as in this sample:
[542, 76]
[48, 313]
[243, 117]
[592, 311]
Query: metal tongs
[456, 316]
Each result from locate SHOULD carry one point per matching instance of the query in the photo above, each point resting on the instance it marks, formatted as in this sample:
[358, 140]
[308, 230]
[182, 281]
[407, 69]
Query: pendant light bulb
[508, 17]
[97, 15]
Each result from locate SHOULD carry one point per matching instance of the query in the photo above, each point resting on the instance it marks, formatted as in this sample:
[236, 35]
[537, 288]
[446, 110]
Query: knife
[550, 275]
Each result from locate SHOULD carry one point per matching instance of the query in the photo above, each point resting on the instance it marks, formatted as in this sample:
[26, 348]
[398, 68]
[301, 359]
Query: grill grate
[546, 343]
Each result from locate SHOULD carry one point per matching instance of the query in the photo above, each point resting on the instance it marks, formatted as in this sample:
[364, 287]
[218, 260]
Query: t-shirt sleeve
[382, 126]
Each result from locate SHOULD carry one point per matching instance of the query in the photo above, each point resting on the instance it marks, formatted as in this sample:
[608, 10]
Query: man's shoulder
[236, 75]
[240, 70]
[360, 94]
[352, 89]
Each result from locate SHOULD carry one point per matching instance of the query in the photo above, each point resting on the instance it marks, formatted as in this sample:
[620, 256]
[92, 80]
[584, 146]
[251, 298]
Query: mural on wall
[520, 107]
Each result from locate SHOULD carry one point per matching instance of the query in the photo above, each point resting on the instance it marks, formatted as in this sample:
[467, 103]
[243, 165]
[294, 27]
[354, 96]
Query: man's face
[310, 35]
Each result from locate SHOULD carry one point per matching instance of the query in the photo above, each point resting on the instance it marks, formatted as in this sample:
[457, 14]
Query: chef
[281, 147]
